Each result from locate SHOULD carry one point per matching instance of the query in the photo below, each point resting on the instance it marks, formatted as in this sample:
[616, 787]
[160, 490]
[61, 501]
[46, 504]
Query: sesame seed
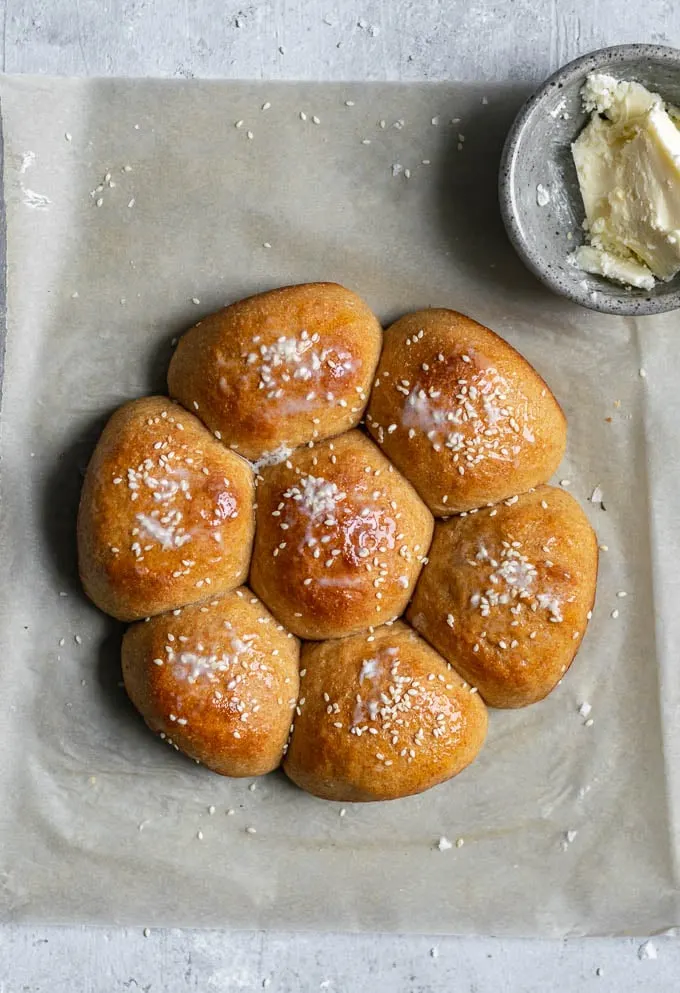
[460, 842]
[146, 932]
[199, 835]
[251, 830]
[614, 614]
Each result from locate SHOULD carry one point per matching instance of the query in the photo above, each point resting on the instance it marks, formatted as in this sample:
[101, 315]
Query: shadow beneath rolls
[59, 498]
[160, 354]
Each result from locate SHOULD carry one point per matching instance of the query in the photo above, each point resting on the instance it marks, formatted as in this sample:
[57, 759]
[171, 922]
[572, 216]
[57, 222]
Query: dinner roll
[279, 369]
[340, 538]
[166, 513]
[218, 680]
[380, 717]
[462, 414]
[508, 592]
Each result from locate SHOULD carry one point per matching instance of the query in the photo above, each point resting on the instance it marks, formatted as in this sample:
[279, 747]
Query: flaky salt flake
[647, 951]
[444, 844]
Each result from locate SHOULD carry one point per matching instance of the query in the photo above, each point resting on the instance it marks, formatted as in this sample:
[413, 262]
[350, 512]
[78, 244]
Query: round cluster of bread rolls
[384, 497]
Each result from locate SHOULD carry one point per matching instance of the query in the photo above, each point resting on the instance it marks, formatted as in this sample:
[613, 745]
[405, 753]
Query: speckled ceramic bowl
[539, 194]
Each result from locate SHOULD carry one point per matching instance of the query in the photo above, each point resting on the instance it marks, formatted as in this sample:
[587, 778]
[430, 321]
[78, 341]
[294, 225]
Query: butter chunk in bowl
[589, 181]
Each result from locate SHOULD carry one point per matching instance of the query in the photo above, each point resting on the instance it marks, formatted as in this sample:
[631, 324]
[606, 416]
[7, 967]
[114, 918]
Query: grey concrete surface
[520, 40]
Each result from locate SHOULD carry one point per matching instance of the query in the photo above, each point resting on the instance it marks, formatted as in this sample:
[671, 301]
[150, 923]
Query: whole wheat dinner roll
[462, 414]
[381, 716]
[166, 513]
[340, 538]
[279, 369]
[219, 680]
[508, 592]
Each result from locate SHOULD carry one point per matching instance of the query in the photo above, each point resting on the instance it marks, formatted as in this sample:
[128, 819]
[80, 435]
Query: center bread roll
[340, 539]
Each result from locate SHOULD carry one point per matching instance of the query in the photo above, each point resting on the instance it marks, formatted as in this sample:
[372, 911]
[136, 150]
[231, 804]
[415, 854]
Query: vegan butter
[628, 164]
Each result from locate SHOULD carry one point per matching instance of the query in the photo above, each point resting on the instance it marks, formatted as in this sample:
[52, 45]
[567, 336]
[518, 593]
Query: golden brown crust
[463, 415]
[507, 594]
[381, 717]
[340, 538]
[219, 681]
[166, 513]
[281, 368]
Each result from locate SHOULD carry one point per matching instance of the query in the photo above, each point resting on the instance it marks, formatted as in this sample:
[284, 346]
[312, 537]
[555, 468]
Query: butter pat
[628, 167]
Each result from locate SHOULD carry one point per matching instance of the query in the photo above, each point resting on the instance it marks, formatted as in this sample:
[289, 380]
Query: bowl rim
[622, 305]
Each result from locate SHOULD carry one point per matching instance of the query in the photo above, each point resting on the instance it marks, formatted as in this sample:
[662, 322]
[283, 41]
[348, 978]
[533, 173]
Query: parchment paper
[98, 820]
